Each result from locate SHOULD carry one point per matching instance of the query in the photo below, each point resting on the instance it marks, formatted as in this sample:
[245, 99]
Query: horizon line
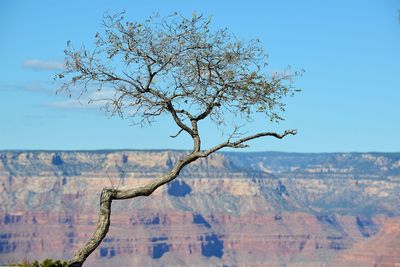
[104, 150]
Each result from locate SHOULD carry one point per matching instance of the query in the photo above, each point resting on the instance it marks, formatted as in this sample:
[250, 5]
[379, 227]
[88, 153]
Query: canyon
[230, 209]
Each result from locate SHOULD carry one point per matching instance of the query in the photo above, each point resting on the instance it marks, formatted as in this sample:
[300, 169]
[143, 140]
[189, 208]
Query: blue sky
[349, 49]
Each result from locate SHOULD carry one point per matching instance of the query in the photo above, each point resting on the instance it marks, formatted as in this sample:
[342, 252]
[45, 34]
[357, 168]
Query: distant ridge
[233, 208]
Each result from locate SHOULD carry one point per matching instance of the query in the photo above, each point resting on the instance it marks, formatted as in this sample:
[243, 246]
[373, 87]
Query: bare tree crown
[177, 66]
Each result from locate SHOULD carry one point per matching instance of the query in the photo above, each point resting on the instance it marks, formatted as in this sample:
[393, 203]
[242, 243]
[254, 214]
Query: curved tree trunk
[109, 194]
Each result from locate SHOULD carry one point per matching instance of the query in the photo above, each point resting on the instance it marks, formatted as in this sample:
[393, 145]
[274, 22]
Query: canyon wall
[231, 209]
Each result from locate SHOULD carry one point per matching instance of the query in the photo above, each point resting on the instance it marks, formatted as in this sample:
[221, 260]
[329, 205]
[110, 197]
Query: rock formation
[232, 209]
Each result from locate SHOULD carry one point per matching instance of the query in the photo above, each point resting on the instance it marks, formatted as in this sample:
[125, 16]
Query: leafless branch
[176, 135]
[240, 143]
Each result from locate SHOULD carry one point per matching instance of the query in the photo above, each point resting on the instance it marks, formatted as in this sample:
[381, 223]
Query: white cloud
[69, 104]
[99, 99]
[37, 64]
[31, 86]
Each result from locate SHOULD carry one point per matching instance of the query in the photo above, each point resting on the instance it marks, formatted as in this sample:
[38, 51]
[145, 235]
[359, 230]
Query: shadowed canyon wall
[232, 209]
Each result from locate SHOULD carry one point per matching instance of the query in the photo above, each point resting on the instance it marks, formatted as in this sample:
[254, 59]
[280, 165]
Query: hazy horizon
[184, 150]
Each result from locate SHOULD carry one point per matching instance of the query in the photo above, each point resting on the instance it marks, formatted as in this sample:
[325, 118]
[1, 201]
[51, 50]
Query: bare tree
[179, 68]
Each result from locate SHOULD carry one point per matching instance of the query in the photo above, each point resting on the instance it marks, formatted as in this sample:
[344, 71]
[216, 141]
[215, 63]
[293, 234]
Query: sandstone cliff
[232, 209]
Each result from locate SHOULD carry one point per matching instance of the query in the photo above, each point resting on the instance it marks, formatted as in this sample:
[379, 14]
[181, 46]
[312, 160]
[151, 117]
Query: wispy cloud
[37, 64]
[47, 87]
[97, 98]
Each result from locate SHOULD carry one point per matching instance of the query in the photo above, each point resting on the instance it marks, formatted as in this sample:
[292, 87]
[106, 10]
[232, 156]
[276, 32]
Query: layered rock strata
[232, 209]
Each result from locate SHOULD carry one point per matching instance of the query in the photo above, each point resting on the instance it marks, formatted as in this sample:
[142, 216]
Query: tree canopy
[178, 66]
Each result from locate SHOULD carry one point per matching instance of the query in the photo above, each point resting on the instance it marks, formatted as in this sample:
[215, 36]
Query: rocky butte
[232, 209]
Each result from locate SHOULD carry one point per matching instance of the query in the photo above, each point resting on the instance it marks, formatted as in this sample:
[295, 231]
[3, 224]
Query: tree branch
[176, 135]
[240, 143]
[208, 110]
[177, 120]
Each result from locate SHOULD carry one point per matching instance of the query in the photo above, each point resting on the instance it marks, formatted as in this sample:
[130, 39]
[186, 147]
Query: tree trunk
[108, 194]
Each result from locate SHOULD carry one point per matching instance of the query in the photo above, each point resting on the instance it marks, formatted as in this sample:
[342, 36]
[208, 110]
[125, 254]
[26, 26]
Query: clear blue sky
[349, 49]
